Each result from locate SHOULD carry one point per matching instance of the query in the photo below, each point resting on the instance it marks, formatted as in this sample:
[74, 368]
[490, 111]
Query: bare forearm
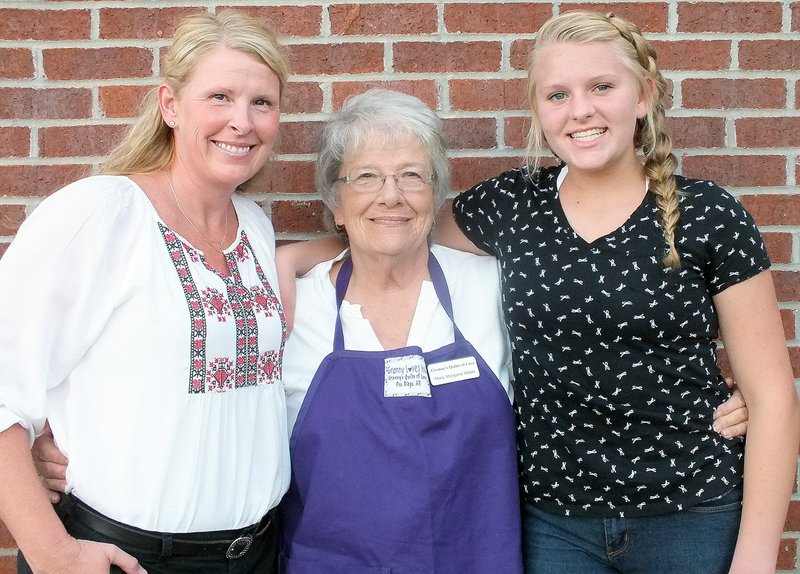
[770, 461]
[24, 505]
[302, 256]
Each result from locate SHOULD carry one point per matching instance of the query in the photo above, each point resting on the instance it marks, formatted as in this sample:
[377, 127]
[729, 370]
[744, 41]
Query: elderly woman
[403, 456]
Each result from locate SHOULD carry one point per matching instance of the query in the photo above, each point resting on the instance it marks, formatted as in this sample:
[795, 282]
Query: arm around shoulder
[448, 233]
[296, 259]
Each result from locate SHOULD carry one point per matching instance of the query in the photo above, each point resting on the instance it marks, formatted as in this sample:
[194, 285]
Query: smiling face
[226, 118]
[388, 221]
[587, 103]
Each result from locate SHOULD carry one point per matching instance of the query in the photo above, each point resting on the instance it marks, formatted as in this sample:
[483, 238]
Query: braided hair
[650, 138]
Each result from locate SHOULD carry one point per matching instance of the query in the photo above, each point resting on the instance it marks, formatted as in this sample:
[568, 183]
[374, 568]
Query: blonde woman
[141, 318]
[618, 275]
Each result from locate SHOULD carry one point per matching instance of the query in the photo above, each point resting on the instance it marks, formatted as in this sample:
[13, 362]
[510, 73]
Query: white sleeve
[59, 282]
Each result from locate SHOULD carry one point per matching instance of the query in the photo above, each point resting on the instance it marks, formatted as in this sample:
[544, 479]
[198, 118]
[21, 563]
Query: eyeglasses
[407, 180]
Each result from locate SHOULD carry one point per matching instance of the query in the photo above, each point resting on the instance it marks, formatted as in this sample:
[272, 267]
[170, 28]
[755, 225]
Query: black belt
[233, 546]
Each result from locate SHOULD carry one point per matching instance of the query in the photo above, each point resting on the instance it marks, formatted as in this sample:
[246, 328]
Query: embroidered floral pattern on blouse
[220, 375]
[216, 304]
[244, 304]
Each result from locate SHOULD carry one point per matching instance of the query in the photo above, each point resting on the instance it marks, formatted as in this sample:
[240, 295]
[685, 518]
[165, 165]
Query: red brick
[731, 17]
[788, 320]
[425, 90]
[287, 20]
[794, 359]
[693, 54]
[298, 216]
[11, 217]
[15, 142]
[5, 537]
[779, 246]
[447, 56]
[79, 141]
[797, 94]
[797, 169]
[470, 133]
[468, 171]
[344, 58]
[144, 23]
[518, 58]
[737, 170]
[8, 564]
[45, 104]
[787, 554]
[45, 24]
[773, 209]
[696, 132]
[488, 95]
[516, 131]
[122, 101]
[787, 287]
[17, 63]
[768, 132]
[769, 55]
[302, 97]
[96, 63]
[37, 180]
[489, 18]
[299, 137]
[649, 16]
[367, 19]
[795, 16]
[724, 93]
[291, 177]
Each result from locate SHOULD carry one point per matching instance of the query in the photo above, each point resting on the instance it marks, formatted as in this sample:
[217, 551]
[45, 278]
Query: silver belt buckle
[239, 547]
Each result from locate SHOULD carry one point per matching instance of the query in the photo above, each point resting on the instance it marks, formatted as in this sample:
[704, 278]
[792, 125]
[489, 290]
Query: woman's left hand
[730, 418]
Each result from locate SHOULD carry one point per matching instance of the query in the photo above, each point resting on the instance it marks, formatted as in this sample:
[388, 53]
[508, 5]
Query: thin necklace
[218, 246]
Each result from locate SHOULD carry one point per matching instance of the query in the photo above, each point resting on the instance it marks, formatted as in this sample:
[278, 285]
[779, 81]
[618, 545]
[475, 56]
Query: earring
[338, 228]
[171, 123]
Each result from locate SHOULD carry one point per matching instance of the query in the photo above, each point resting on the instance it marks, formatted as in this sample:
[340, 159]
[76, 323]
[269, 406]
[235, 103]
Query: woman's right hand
[51, 464]
[86, 557]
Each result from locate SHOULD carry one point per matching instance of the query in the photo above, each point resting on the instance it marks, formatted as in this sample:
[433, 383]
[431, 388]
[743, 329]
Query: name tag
[453, 371]
[405, 377]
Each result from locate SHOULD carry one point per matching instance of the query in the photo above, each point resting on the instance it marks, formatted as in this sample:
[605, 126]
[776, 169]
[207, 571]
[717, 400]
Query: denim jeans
[262, 558]
[698, 540]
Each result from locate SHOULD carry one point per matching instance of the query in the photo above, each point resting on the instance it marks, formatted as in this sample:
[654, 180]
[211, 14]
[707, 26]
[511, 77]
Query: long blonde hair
[650, 138]
[148, 146]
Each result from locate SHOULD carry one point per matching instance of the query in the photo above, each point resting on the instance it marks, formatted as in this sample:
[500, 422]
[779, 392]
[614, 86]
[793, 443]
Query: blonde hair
[148, 146]
[650, 138]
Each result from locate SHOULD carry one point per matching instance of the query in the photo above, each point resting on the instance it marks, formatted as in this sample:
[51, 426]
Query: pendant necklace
[218, 246]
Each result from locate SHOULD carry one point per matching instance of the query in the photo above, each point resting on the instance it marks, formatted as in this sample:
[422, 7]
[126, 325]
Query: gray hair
[388, 114]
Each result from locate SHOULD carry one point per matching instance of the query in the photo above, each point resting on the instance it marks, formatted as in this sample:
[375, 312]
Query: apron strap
[439, 285]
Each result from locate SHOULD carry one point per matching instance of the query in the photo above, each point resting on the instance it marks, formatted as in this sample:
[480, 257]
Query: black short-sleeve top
[615, 369]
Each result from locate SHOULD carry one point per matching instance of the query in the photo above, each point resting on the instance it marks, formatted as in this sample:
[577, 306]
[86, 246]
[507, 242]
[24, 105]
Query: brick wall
[71, 72]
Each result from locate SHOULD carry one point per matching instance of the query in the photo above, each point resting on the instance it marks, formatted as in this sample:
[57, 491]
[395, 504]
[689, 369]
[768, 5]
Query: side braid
[656, 145]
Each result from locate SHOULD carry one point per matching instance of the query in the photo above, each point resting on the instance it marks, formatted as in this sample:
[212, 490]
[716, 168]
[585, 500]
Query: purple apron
[392, 475]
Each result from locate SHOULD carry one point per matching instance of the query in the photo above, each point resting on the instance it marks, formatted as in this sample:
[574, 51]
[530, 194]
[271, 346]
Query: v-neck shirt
[615, 370]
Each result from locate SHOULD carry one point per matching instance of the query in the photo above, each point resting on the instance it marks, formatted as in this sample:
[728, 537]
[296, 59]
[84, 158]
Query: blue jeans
[698, 540]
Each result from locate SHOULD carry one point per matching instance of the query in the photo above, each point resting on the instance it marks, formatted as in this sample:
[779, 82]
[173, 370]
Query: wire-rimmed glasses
[407, 179]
